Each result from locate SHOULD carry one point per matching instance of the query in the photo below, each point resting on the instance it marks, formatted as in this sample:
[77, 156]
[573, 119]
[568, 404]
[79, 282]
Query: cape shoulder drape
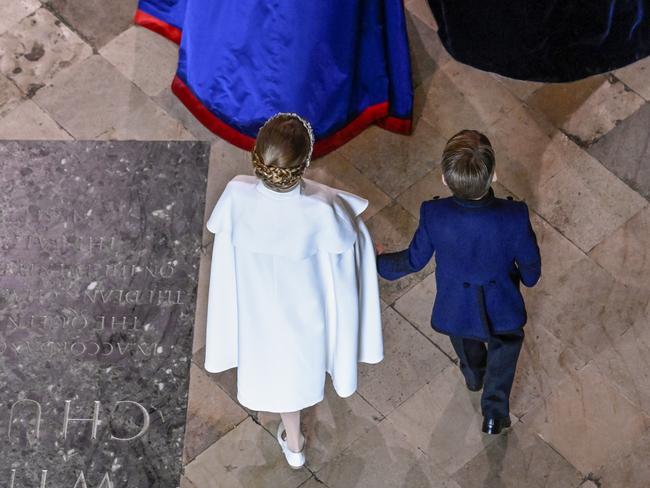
[314, 228]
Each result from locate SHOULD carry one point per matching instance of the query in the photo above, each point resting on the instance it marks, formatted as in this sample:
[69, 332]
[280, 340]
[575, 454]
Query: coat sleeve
[221, 335]
[395, 265]
[371, 345]
[527, 256]
[354, 317]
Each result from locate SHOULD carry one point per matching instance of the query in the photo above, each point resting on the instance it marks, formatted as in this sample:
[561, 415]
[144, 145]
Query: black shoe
[474, 386]
[494, 425]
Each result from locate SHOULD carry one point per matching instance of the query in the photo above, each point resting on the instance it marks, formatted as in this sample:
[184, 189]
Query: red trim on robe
[144, 19]
[374, 114]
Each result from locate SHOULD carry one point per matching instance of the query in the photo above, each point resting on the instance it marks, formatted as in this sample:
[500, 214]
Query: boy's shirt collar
[481, 202]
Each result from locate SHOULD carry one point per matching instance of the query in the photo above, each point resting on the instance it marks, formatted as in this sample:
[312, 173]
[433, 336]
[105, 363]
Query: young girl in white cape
[293, 286]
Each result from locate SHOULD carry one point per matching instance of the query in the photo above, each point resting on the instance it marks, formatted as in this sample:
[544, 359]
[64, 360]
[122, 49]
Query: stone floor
[578, 154]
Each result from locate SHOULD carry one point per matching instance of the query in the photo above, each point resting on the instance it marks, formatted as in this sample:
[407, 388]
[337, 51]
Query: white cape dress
[293, 293]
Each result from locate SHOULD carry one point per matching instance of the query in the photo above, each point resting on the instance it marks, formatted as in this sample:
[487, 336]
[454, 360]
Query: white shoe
[296, 460]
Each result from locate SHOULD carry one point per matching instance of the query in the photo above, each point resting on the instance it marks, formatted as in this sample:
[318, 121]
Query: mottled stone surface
[36, 49]
[331, 426]
[383, 457]
[114, 107]
[410, 361]
[588, 421]
[28, 121]
[443, 419]
[14, 10]
[144, 57]
[374, 155]
[625, 151]
[96, 20]
[97, 285]
[517, 460]
[247, 457]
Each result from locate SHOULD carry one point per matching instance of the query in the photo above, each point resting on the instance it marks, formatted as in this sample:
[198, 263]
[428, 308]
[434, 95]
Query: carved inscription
[99, 252]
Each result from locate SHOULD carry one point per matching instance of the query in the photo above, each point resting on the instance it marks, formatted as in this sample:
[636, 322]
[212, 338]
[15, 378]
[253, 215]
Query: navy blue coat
[484, 249]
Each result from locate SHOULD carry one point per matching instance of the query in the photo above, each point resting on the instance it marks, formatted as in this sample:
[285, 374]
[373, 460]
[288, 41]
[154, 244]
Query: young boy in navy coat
[485, 247]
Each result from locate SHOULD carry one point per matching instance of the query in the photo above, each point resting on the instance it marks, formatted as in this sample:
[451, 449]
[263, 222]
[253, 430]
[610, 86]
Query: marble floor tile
[175, 108]
[637, 77]
[557, 252]
[585, 202]
[488, 98]
[426, 188]
[186, 483]
[586, 109]
[394, 162]
[393, 227]
[443, 419]
[516, 460]
[427, 52]
[625, 151]
[588, 421]
[114, 107]
[559, 101]
[28, 121]
[144, 57]
[383, 458]
[247, 457]
[519, 88]
[627, 363]
[331, 426]
[98, 21]
[543, 363]
[421, 9]
[313, 482]
[36, 49]
[586, 308]
[631, 470]
[10, 96]
[626, 252]
[14, 11]
[336, 171]
[410, 361]
[416, 306]
[528, 152]
[210, 414]
[606, 107]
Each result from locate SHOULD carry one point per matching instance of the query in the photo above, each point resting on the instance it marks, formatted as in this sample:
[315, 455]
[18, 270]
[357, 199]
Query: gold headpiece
[283, 178]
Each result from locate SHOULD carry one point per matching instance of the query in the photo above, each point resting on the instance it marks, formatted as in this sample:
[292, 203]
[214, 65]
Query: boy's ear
[444, 182]
[494, 176]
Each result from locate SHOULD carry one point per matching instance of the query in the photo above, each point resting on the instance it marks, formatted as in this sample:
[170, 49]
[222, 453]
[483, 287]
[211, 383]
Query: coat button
[436, 197]
[466, 285]
[509, 197]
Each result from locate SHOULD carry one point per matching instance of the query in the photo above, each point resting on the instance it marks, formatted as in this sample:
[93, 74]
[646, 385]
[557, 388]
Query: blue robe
[341, 64]
[484, 249]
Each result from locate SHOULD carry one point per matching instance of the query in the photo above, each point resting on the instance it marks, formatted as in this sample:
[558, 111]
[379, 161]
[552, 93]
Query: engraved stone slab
[100, 245]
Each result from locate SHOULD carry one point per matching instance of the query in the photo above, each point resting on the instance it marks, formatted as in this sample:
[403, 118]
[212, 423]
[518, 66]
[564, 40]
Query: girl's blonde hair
[282, 150]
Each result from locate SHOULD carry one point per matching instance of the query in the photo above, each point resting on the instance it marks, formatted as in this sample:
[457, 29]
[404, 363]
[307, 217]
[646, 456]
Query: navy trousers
[494, 364]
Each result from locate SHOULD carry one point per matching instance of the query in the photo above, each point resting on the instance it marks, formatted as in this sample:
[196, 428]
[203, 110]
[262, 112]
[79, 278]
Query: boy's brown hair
[468, 164]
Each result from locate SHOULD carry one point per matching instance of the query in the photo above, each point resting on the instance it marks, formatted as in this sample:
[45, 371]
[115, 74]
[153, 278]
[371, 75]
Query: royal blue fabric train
[544, 40]
[341, 64]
